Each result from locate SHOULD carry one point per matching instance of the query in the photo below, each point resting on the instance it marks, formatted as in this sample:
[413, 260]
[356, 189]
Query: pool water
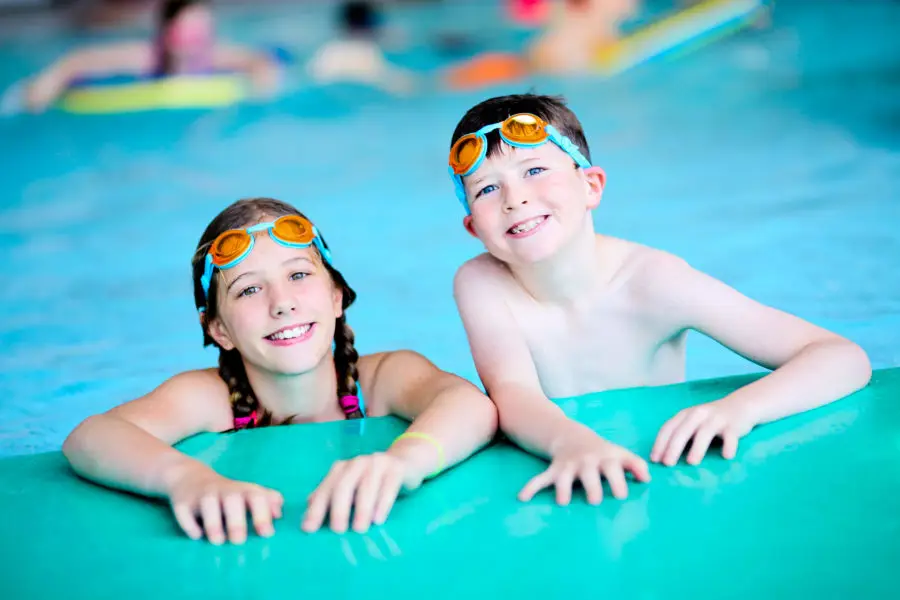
[770, 160]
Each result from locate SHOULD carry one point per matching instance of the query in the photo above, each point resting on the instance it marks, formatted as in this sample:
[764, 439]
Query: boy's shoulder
[483, 271]
[647, 273]
[639, 262]
[634, 265]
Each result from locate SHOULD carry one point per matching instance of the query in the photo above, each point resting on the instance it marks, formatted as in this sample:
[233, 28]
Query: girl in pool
[274, 304]
[184, 45]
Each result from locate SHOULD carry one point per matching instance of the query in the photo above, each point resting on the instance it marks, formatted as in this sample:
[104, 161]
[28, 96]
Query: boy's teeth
[290, 333]
[527, 225]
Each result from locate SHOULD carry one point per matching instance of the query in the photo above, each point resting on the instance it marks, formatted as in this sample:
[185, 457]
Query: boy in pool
[553, 309]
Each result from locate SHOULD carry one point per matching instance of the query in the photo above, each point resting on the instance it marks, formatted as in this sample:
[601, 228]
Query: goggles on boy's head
[523, 130]
[232, 246]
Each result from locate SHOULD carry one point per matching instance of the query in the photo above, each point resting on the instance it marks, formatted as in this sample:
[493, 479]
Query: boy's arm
[504, 363]
[812, 366]
[527, 416]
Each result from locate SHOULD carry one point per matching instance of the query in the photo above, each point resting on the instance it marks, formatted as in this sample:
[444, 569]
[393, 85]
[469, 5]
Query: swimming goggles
[523, 130]
[233, 246]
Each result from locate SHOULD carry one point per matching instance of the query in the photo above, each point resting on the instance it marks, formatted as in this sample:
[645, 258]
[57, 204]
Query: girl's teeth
[288, 334]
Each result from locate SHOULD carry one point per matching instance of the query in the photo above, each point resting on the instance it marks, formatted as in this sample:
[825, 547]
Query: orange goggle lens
[231, 244]
[294, 230]
[465, 153]
[524, 128]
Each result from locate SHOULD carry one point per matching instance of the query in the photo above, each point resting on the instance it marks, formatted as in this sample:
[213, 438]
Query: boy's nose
[514, 197]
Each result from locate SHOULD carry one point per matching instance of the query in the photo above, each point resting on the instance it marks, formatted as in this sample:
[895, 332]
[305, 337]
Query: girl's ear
[219, 332]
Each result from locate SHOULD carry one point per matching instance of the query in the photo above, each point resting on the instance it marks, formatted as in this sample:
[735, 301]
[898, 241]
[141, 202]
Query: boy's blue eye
[249, 291]
[485, 190]
[535, 170]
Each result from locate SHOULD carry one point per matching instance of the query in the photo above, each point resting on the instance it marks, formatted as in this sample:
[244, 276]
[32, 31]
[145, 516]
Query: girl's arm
[130, 448]
[445, 411]
[451, 419]
[133, 58]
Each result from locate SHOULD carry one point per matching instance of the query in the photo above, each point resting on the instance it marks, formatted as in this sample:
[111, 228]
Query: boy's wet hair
[552, 109]
[241, 215]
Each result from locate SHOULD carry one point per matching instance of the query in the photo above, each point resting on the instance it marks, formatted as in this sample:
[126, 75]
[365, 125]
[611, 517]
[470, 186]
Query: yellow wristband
[424, 436]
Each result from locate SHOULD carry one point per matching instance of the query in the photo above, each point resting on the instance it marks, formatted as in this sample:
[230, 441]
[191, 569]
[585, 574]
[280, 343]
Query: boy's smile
[526, 203]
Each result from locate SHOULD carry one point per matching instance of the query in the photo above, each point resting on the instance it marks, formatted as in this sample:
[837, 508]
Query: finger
[637, 466]
[390, 489]
[537, 483]
[662, 438]
[187, 520]
[366, 496]
[261, 512]
[319, 499]
[593, 488]
[702, 439]
[234, 510]
[276, 503]
[343, 495]
[729, 444]
[564, 482]
[680, 438]
[615, 475]
[212, 518]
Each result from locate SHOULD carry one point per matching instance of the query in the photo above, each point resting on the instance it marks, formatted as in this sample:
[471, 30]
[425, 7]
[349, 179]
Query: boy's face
[527, 203]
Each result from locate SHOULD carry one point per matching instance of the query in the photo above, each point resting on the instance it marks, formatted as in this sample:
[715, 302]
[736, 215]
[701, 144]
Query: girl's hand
[199, 491]
[586, 456]
[369, 484]
[699, 424]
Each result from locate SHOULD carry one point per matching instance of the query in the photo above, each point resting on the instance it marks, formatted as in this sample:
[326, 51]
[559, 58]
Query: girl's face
[191, 31]
[277, 307]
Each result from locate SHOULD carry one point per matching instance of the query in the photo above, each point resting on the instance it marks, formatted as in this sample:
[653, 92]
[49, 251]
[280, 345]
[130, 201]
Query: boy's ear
[467, 223]
[596, 181]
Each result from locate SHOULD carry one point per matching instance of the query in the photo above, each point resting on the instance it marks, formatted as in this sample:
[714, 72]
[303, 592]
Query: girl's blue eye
[485, 190]
[249, 291]
[298, 276]
[535, 170]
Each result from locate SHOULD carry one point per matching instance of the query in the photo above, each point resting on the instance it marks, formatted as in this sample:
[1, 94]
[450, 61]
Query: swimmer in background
[572, 40]
[569, 45]
[356, 57]
[184, 45]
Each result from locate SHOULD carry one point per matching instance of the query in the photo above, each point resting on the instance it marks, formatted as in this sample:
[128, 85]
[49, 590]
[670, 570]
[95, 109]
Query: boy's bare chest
[608, 344]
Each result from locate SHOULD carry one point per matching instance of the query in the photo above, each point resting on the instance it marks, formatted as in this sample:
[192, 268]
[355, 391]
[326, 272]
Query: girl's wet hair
[240, 215]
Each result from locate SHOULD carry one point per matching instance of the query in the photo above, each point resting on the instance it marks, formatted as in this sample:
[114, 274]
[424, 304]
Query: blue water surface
[770, 159]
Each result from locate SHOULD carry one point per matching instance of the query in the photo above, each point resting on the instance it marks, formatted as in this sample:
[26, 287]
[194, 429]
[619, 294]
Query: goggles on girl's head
[233, 246]
[523, 130]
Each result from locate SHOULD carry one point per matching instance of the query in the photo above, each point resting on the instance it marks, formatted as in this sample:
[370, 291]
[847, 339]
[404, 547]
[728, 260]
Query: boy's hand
[726, 418]
[586, 456]
[369, 484]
